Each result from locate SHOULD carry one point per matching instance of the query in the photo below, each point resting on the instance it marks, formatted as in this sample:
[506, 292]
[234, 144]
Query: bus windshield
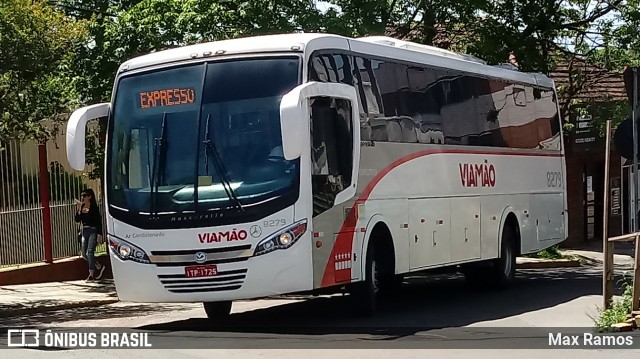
[211, 126]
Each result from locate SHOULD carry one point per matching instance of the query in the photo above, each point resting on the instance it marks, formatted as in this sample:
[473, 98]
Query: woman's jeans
[89, 244]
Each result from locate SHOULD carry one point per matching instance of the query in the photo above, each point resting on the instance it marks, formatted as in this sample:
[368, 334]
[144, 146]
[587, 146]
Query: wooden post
[635, 298]
[607, 247]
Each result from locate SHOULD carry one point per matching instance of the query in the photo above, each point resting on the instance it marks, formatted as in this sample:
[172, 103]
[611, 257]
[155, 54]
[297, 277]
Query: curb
[556, 263]
[588, 260]
[598, 262]
[8, 313]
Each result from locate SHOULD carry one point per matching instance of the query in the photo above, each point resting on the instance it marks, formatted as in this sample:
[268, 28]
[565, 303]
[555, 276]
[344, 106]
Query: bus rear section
[457, 169]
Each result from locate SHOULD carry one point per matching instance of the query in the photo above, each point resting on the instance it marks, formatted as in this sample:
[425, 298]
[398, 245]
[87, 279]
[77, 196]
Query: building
[589, 95]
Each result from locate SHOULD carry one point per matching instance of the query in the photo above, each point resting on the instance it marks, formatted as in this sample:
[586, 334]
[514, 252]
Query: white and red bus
[268, 165]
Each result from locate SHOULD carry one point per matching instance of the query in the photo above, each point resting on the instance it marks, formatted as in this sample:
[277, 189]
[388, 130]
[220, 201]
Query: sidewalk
[623, 257]
[44, 297]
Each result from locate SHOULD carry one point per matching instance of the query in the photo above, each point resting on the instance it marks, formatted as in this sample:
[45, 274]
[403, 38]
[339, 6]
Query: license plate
[209, 270]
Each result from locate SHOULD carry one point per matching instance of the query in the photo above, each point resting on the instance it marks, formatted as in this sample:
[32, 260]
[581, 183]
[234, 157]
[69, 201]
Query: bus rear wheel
[504, 268]
[498, 273]
[217, 310]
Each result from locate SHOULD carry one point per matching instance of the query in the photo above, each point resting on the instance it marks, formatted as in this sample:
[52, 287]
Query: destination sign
[166, 97]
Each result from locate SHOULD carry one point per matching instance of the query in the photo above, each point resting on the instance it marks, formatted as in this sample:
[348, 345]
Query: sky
[324, 6]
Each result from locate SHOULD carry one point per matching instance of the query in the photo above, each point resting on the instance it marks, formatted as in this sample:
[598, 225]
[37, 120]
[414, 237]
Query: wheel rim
[507, 261]
[375, 277]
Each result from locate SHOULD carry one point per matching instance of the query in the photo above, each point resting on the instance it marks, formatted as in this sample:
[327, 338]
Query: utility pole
[607, 248]
[633, 212]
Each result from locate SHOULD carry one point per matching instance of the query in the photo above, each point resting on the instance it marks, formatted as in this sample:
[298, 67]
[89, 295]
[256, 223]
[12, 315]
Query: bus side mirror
[76, 130]
[293, 123]
[295, 119]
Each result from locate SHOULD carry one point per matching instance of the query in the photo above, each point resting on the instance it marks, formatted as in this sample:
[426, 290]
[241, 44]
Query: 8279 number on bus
[554, 179]
[209, 270]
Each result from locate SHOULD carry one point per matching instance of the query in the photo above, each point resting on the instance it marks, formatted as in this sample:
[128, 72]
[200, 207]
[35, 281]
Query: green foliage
[568, 128]
[550, 253]
[64, 186]
[95, 151]
[616, 111]
[618, 311]
[35, 81]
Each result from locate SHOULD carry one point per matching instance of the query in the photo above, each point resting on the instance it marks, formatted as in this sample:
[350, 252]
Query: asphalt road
[434, 313]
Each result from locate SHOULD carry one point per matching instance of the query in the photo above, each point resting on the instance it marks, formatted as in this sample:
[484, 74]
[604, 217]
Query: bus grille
[223, 281]
[182, 258]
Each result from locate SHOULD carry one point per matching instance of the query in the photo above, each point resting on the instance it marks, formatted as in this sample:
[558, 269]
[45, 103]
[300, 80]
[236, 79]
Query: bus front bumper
[279, 272]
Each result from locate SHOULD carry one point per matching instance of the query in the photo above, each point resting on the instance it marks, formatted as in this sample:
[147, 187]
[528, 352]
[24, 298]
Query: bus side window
[332, 149]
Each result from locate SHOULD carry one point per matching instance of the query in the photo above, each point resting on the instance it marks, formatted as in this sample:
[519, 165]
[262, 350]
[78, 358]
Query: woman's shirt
[90, 219]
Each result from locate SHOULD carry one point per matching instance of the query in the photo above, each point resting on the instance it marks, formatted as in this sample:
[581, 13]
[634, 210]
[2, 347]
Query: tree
[542, 34]
[423, 21]
[35, 79]
[121, 29]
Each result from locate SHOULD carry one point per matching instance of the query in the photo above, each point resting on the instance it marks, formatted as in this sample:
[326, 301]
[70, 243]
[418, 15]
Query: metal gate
[22, 234]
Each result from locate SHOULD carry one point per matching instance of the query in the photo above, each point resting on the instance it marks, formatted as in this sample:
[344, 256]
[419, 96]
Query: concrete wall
[61, 270]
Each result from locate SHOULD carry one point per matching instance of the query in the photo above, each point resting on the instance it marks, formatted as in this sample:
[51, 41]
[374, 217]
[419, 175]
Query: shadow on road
[88, 313]
[106, 286]
[425, 304]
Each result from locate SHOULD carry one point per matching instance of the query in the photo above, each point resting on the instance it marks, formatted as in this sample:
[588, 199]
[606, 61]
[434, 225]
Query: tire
[365, 294]
[498, 273]
[504, 268]
[218, 311]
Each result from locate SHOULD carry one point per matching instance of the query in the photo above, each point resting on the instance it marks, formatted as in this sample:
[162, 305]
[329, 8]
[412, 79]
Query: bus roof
[379, 46]
[244, 45]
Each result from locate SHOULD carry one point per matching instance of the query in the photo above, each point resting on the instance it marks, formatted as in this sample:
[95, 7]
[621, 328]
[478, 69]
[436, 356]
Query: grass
[11, 266]
[550, 253]
[617, 313]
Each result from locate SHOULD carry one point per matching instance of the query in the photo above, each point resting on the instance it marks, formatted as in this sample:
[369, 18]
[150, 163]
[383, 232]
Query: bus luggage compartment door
[465, 228]
[429, 232]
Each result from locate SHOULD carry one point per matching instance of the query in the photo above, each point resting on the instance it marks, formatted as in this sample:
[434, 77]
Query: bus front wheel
[364, 294]
[218, 310]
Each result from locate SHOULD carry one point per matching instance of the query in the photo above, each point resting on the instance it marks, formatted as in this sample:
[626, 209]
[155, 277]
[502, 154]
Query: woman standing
[89, 214]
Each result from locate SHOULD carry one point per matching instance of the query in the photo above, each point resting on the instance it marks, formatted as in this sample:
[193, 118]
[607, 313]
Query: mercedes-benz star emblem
[201, 257]
[255, 231]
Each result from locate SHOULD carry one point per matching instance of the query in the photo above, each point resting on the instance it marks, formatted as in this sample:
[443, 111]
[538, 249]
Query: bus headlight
[282, 239]
[124, 251]
[127, 251]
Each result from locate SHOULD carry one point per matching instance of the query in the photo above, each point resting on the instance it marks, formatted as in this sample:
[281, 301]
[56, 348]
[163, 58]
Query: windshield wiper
[159, 146]
[219, 166]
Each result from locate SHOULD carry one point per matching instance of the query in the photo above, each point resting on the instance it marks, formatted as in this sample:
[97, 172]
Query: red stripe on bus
[344, 241]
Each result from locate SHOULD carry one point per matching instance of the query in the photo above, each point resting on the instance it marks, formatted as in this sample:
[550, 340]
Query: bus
[305, 163]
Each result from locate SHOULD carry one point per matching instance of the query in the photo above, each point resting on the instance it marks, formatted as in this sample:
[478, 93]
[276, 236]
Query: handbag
[80, 236]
